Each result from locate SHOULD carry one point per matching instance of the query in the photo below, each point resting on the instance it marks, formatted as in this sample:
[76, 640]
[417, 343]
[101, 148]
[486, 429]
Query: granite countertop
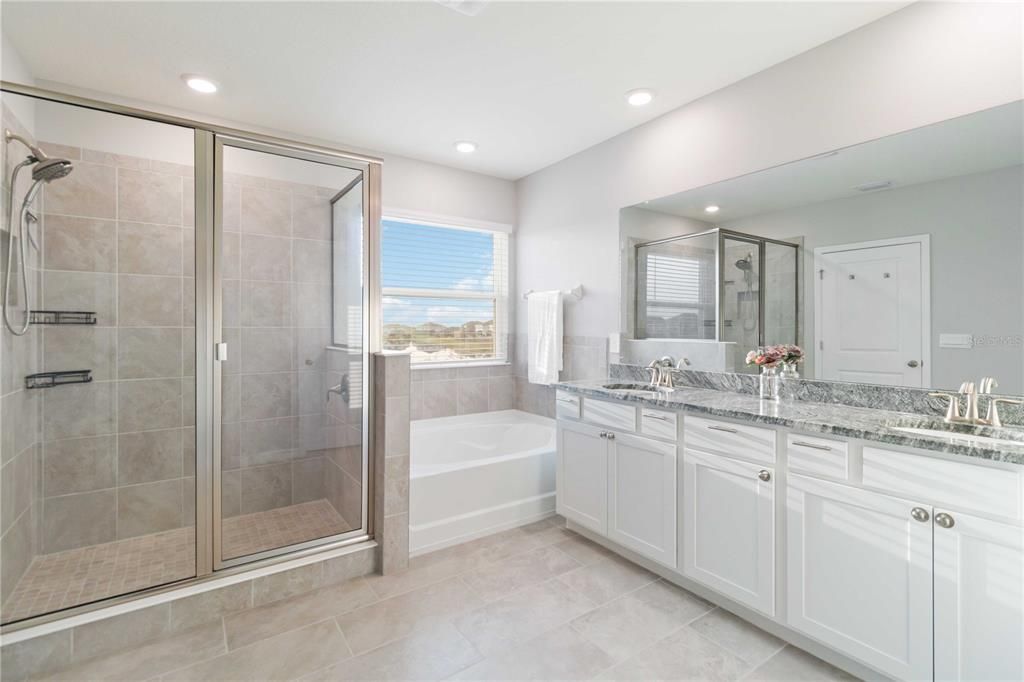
[839, 420]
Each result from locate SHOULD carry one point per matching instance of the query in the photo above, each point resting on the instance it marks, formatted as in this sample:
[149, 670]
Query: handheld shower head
[48, 170]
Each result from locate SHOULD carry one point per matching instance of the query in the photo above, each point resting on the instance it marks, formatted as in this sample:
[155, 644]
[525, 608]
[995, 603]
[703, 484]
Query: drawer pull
[654, 416]
[814, 446]
[722, 428]
[566, 400]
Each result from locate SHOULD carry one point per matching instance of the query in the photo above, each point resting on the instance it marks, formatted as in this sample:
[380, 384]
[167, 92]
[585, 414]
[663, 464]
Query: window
[445, 292]
[671, 294]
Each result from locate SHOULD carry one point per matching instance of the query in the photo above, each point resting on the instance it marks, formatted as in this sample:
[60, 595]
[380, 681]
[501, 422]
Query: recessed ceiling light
[711, 209]
[199, 84]
[639, 98]
[465, 147]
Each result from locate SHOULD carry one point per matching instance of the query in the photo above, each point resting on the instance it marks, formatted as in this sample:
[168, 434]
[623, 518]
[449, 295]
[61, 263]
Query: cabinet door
[642, 496]
[979, 599]
[859, 574]
[729, 527]
[582, 479]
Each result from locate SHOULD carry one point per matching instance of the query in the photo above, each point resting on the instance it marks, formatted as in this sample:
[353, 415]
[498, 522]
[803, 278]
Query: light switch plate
[956, 341]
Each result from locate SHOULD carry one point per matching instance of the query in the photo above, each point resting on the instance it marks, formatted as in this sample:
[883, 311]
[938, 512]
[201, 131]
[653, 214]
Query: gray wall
[977, 241]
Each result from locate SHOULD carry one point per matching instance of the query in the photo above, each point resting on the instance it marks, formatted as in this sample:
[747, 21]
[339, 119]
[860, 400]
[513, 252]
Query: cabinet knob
[919, 514]
[610, 436]
[603, 434]
[764, 475]
[945, 520]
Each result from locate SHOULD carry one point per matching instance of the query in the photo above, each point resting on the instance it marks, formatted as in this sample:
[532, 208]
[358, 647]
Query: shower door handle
[220, 352]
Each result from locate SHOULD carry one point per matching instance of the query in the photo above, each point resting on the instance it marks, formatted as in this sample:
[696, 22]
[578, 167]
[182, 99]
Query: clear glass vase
[769, 383]
[789, 380]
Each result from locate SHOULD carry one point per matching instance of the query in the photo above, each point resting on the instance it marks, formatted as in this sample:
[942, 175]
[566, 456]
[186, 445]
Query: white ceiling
[976, 143]
[532, 83]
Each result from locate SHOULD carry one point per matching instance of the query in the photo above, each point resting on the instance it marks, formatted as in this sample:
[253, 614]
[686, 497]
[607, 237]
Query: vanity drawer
[727, 438]
[817, 456]
[658, 423]
[567, 405]
[615, 415]
[941, 482]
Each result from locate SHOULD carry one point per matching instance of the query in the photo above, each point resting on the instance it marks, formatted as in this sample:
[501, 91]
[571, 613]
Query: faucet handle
[967, 388]
[993, 410]
[953, 409]
[987, 384]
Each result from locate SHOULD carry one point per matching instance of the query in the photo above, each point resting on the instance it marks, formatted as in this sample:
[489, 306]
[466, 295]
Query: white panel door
[581, 483]
[979, 599]
[871, 326]
[859, 575]
[728, 521]
[642, 496]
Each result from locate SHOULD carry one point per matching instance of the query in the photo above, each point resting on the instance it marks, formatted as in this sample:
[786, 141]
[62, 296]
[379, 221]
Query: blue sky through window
[436, 258]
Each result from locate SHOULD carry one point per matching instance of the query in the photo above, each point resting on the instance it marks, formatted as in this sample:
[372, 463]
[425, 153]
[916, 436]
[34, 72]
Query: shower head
[745, 264]
[47, 170]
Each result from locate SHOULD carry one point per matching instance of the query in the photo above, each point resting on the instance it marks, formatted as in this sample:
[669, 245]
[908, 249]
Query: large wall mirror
[899, 261]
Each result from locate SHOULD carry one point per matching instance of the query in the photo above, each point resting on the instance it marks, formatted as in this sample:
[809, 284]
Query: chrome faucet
[972, 394]
[661, 371]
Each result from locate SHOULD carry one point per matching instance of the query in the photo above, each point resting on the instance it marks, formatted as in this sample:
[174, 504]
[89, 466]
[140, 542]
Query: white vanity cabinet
[729, 527]
[859, 574]
[911, 587]
[908, 562]
[581, 481]
[642, 496]
[979, 598]
[617, 482]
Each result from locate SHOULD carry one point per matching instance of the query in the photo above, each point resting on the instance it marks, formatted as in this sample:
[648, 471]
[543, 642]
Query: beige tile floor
[80, 576]
[533, 603]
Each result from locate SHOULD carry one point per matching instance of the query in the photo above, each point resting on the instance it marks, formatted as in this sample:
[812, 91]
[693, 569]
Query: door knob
[919, 514]
[945, 520]
[913, 363]
[764, 475]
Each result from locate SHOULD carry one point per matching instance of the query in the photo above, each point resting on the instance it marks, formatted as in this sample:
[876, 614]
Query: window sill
[455, 365]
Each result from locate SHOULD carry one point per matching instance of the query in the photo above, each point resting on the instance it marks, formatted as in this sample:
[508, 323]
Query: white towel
[544, 336]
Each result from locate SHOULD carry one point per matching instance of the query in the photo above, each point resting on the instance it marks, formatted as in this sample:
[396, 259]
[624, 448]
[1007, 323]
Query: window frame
[500, 294]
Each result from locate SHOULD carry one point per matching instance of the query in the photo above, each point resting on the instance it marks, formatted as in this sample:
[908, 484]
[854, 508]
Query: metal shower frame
[722, 234]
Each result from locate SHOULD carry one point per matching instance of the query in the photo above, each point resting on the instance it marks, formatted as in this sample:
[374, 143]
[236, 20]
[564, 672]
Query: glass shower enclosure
[182, 368]
[718, 286]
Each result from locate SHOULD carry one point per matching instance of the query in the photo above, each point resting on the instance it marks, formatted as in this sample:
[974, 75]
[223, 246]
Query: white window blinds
[445, 292]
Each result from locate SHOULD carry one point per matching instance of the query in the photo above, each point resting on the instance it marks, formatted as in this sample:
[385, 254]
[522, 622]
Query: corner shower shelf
[51, 379]
[62, 317]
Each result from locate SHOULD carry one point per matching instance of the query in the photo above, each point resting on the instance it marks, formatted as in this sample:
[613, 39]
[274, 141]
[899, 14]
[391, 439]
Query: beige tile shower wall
[583, 357]
[283, 442]
[118, 453]
[20, 450]
[446, 392]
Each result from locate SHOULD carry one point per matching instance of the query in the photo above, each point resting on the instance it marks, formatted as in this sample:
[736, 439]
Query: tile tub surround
[583, 357]
[20, 409]
[841, 420]
[392, 386]
[450, 391]
[870, 396]
[179, 630]
[572, 610]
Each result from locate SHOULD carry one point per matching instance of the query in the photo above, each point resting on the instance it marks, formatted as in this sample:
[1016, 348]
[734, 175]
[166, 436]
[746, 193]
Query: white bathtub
[477, 474]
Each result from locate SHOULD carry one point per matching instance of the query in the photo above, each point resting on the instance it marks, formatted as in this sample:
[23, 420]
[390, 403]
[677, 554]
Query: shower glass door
[290, 268]
[98, 391]
[742, 321]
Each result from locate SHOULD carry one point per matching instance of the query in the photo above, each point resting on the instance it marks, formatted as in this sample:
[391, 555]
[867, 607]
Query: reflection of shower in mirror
[747, 313]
